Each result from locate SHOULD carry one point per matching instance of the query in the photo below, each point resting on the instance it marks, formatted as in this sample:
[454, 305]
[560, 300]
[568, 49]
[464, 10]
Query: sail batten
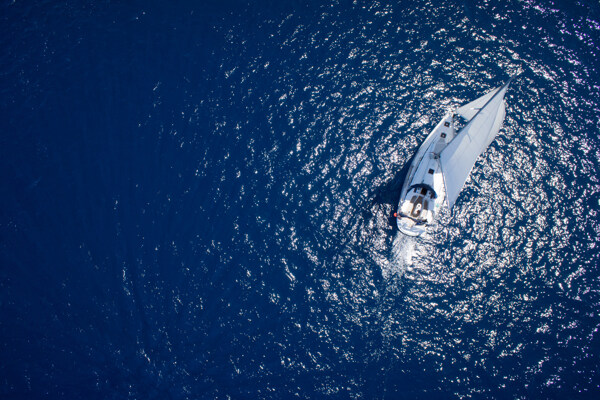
[484, 116]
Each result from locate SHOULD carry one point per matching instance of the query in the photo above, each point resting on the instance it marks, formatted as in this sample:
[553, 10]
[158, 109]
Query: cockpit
[417, 203]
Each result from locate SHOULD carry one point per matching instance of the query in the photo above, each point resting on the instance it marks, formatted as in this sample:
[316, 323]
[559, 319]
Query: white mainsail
[485, 116]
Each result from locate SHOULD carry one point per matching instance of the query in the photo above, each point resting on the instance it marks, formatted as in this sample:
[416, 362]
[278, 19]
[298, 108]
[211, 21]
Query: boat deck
[417, 207]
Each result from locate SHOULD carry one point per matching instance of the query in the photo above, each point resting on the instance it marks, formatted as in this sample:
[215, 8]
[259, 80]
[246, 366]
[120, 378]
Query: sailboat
[445, 159]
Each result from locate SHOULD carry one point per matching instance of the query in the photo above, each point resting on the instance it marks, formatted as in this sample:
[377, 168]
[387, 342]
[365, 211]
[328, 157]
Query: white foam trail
[401, 257]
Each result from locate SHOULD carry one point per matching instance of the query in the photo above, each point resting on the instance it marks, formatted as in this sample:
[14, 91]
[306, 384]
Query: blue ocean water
[196, 201]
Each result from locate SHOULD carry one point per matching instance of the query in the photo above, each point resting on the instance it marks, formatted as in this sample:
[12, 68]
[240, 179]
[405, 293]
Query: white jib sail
[458, 158]
[469, 110]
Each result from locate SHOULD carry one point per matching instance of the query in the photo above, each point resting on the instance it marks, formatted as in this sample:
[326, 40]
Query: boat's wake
[401, 257]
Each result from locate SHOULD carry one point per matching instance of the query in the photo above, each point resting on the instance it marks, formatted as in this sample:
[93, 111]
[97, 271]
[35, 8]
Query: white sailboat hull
[423, 179]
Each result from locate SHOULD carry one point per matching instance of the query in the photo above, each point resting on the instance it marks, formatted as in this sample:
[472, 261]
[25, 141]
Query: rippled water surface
[196, 201]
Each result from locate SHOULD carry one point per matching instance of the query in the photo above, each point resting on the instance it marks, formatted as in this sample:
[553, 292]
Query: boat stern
[409, 227]
[415, 212]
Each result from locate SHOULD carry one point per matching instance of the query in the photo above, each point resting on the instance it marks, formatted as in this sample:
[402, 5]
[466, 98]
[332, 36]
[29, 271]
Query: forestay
[485, 116]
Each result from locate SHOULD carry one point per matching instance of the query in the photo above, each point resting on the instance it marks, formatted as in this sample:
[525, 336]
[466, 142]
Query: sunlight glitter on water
[295, 279]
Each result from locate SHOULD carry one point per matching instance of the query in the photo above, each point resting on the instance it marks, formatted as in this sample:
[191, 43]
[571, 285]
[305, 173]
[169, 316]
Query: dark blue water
[195, 201]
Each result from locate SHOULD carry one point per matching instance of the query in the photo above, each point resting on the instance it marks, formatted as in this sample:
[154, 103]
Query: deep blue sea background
[196, 196]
